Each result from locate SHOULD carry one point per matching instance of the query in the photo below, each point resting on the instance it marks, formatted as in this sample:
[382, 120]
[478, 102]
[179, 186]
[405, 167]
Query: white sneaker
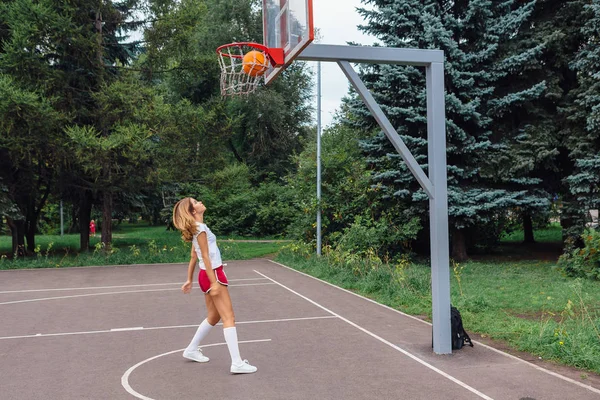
[243, 368]
[195, 355]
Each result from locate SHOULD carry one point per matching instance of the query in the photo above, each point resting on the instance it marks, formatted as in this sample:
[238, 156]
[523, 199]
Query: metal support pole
[319, 158]
[370, 54]
[435, 185]
[62, 227]
[438, 209]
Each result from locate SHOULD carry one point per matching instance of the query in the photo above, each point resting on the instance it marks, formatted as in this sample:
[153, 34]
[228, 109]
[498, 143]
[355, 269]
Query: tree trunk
[107, 207]
[17, 230]
[33, 215]
[459, 245]
[85, 215]
[30, 236]
[74, 219]
[234, 151]
[528, 228]
[29, 227]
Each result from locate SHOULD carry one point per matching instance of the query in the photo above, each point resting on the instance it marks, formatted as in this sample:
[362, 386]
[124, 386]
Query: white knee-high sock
[201, 333]
[232, 343]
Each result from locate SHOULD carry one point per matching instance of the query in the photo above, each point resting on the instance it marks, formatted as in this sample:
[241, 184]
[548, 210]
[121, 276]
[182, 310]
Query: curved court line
[542, 369]
[382, 340]
[125, 377]
[107, 293]
[113, 287]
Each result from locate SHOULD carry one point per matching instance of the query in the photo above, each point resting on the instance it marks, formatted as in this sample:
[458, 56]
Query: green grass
[552, 233]
[529, 305]
[132, 244]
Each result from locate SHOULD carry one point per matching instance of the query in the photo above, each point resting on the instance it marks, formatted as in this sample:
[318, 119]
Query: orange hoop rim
[276, 56]
[240, 44]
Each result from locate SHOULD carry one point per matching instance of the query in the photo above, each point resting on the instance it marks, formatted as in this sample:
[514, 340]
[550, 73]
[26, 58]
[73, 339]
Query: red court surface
[118, 333]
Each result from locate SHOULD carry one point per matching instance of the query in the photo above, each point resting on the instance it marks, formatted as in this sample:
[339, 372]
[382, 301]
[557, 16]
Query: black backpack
[459, 336]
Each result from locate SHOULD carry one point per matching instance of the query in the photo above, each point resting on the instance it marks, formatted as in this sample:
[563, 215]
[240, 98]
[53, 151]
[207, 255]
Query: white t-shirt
[213, 251]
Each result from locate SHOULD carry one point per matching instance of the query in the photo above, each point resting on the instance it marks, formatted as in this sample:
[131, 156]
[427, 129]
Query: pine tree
[584, 182]
[474, 35]
[534, 132]
[557, 25]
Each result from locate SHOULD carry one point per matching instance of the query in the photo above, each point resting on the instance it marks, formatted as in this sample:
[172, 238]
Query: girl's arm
[203, 242]
[192, 264]
[187, 287]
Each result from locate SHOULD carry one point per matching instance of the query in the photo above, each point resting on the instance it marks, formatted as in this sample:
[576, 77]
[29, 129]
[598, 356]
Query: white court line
[114, 287]
[125, 377]
[382, 340]
[92, 266]
[352, 293]
[108, 293]
[114, 266]
[135, 328]
[537, 367]
[139, 328]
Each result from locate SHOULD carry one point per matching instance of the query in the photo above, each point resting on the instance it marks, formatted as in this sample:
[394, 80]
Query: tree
[65, 52]
[28, 148]
[473, 35]
[541, 150]
[10, 211]
[261, 131]
[584, 182]
[272, 122]
[352, 219]
[117, 155]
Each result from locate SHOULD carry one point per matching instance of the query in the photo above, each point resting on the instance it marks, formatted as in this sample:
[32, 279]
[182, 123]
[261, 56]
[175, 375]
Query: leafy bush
[275, 210]
[236, 206]
[487, 234]
[380, 236]
[585, 261]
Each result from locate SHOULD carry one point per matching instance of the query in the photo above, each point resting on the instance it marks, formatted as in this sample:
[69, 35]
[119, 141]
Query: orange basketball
[255, 63]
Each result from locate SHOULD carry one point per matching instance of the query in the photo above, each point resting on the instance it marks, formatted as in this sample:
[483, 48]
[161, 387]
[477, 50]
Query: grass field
[132, 244]
[552, 233]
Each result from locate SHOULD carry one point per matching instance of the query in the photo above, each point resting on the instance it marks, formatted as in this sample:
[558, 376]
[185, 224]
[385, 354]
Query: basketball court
[118, 333]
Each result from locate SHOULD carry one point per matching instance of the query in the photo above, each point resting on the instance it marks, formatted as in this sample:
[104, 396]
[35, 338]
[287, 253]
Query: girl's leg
[223, 304]
[192, 351]
[212, 318]
[212, 315]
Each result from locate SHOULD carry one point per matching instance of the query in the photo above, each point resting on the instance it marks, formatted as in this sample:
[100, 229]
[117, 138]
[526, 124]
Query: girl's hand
[214, 289]
[187, 287]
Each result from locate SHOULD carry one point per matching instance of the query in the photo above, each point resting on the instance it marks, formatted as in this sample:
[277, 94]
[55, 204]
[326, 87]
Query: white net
[241, 75]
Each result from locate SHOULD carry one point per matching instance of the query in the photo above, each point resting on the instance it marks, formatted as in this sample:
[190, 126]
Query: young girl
[188, 217]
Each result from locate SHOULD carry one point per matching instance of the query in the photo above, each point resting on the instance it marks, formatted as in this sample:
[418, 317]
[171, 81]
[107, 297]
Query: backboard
[287, 24]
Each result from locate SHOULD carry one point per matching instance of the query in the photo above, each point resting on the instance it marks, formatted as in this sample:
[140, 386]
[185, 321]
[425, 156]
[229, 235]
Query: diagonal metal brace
[387, 127]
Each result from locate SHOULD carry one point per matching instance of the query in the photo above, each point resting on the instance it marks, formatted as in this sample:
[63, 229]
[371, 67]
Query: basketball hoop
[243, 66]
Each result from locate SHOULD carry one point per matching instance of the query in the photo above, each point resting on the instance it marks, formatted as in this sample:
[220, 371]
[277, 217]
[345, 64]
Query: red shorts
[205, 282]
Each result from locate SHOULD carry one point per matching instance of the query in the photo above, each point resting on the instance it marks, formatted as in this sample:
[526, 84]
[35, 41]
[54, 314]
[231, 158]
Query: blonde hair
[183, 219]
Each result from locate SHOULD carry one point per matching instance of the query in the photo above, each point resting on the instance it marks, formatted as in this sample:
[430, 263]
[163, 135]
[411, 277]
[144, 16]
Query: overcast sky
[337, 21]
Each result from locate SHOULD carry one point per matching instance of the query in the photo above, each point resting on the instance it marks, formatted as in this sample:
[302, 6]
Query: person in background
[92, 228]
